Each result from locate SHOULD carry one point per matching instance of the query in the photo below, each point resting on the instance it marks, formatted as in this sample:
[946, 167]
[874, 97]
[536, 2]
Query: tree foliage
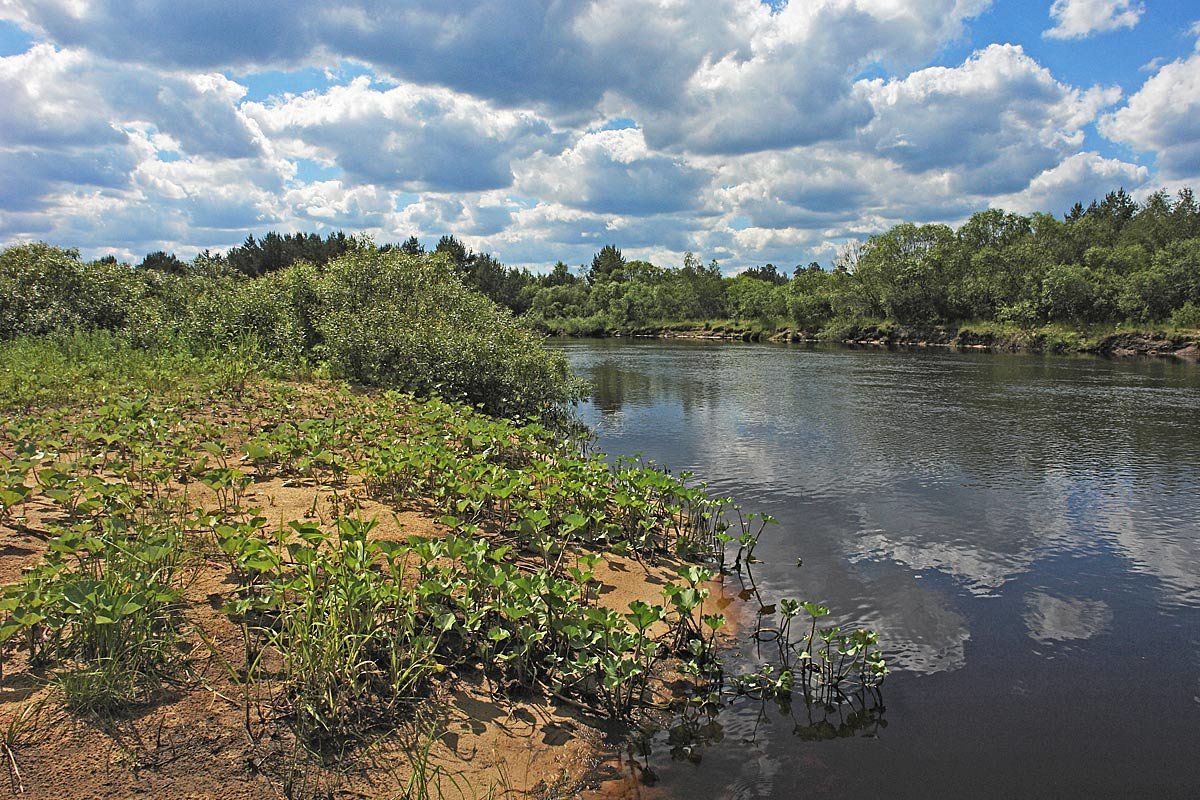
[373, 316]
[1111, 262]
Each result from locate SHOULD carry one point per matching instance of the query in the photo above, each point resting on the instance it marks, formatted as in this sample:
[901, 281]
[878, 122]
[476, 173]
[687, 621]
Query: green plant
[1187, 316]
[103, 607]
[354, 642]
[687, 601]
[13, 491]
[827, 665]
[750, 529]
[235, 368]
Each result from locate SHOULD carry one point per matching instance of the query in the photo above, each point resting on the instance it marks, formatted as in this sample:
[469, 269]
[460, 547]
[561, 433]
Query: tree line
[1115, 261]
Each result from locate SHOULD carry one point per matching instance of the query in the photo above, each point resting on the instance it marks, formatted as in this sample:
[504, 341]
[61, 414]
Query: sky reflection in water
[1023, 532]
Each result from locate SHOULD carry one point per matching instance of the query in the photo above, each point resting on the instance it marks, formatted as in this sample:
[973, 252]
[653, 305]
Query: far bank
[1052, 339]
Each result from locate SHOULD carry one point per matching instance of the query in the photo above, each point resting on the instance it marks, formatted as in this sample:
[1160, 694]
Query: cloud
[206, 35]
[795, 86]
[1078, 179]
[70, 98]
[43, 105]
[53, 136]
[467, 217]
[132, 197]
[513, 51]
[332, 205]
[29, 176]
[689, 68]
[76, 125]
[803, 189]
[1076, 19]
[545, 232]
[996, 121]
[406, 136]
[614, 172]
[834, 191]
[1163, 117]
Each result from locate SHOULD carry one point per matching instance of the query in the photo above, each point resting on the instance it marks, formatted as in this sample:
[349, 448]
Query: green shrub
[1187, 317]
[182, 309]
[279, 310]
[46, 289]
[378, 318]
[1023, 314]
[402, 321]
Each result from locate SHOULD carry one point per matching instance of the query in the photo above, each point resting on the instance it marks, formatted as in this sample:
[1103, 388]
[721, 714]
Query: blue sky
[535, 130]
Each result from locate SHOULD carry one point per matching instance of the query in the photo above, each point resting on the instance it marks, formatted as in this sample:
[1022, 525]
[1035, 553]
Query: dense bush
[393, 319]
[46, 289]
[380, 317]
[1187, 317]
[279, 310]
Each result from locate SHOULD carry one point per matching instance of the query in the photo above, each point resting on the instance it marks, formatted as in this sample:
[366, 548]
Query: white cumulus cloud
[1075, 19]
[614, 172]
[995, 122]
[1163, 117]
[1078, 179]
[405, 137]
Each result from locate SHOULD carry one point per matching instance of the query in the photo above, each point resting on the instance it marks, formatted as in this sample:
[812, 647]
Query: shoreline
[1121, 344]
[211, 735]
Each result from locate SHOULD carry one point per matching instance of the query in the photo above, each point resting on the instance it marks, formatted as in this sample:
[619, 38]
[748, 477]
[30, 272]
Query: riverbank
[1184, 346]
[1124, 344]
[269, 512]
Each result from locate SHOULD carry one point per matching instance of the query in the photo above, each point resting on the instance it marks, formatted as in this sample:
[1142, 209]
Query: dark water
[1023, 532]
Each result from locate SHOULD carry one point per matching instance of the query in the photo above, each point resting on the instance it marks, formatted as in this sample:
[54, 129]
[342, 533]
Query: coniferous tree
[607, 264]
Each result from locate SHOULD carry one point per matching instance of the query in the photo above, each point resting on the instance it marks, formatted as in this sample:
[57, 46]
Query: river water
[1022, 531]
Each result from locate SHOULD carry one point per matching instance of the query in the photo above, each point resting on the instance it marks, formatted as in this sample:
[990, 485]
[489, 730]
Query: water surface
[1023, 532]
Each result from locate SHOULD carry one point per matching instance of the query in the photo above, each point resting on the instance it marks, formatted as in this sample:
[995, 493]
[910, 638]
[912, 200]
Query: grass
[55, 370]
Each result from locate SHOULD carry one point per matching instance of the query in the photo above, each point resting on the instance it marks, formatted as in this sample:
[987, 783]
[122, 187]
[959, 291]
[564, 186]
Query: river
[1022, 531]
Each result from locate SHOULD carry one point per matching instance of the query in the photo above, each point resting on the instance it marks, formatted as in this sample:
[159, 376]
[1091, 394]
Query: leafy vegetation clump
[373, 316]
[357, 646]
[406, 322]
[45, 290]
[103, 608]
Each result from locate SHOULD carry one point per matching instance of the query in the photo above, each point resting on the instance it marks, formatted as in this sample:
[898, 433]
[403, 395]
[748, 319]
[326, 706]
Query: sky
[744, 131]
